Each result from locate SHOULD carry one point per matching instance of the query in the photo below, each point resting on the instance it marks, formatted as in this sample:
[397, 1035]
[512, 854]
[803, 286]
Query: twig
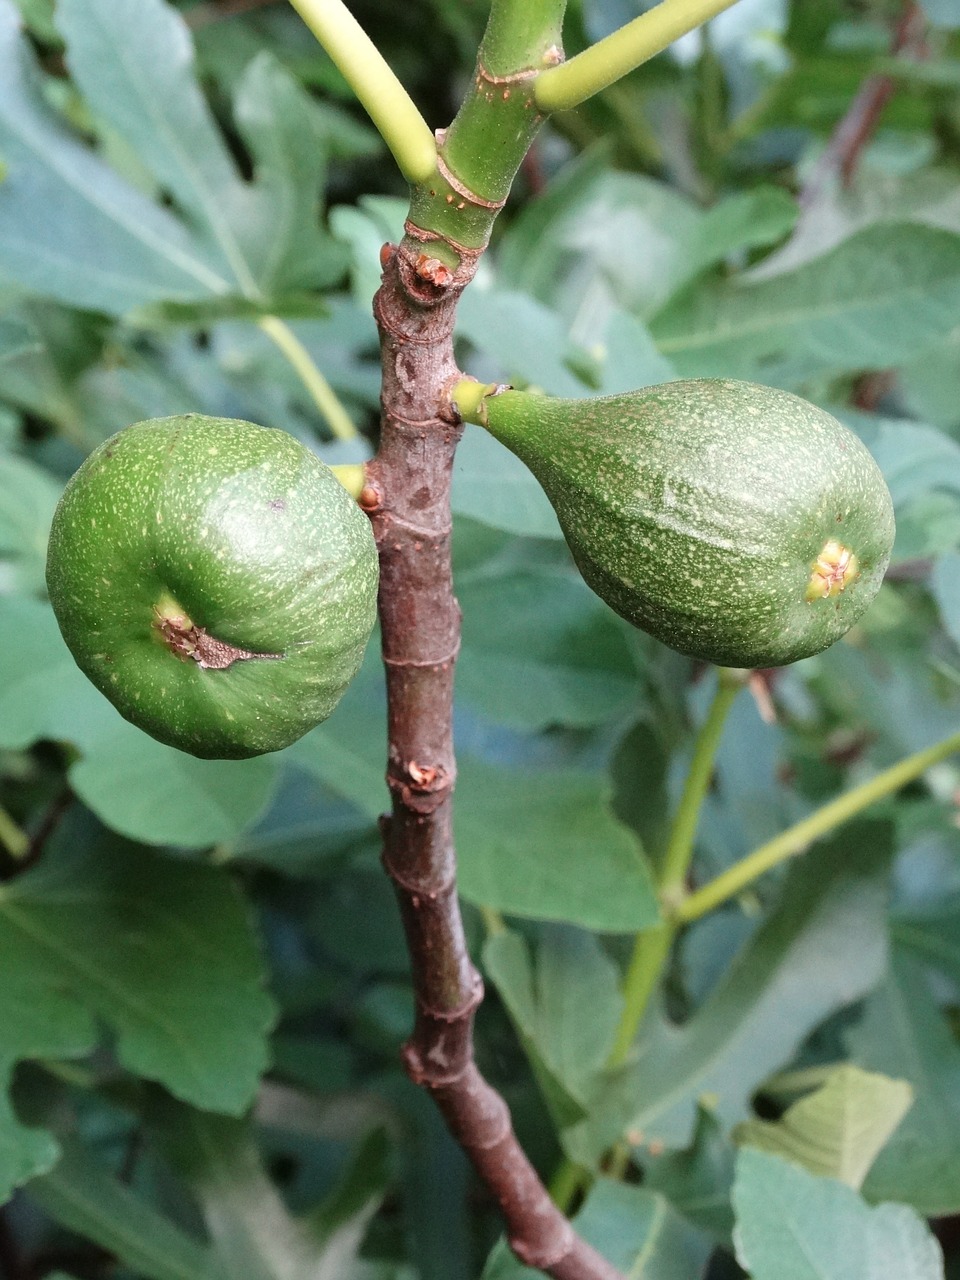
[323, 395]
[37, 839]
[408, 499]
[855, 130]
[821, 822]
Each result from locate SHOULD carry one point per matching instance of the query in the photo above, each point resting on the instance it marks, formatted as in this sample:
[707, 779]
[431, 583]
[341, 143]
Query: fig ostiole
[214, 580]
[738, 524]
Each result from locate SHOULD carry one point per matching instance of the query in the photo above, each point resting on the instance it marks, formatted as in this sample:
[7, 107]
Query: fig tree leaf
[133, 62]
[161, 951]
[71, 228]
[16, 338]
[253, 1232]
[837, 1131]
[84, 1197]
[926, 198]
[546, 845]
[931, 383]
[494, 487]
[942, 13]
[139, 787]
[697, 1181]
[287, 136]
[933, 933]
[564, 999]
[39, 1020]
[902, 1033]
[525, 339]
[633, 1228]
[945, 582]
[876, 300]
[822, 947]
[540, 649]
[28, 495]
[792, 1225]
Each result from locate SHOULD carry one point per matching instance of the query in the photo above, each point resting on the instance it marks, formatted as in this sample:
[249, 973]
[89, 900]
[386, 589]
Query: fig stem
[652, 945]
[352, 475]
[610, 59]
[380, 93]
[468, 397]
[321, 392]
[13, 838]
[797, 838]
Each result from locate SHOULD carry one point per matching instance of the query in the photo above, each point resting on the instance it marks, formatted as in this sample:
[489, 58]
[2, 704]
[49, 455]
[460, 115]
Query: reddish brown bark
[408, 500]
[864, 113]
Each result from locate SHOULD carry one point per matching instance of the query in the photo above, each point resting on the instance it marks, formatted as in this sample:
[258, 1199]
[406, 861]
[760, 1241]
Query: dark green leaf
[540, 650]
[945, 582]
[81, 1195]
[252, 1232]
[876, 300]
[822, 947]
[494, 487]
[546, 845]
[903, 1034]
[565, 1003]
[70, 228]
[697, 1182]
[161, 951]
[28, 496]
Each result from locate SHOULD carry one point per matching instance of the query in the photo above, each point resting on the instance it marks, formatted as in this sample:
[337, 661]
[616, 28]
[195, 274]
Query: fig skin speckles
[215, 581]
[699, 510]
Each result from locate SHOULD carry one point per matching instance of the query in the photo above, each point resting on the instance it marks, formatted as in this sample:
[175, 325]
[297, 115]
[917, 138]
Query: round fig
[215, 581]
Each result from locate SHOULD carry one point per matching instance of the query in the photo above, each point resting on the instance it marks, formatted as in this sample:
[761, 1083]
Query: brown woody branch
[408, 500]
[860, 121]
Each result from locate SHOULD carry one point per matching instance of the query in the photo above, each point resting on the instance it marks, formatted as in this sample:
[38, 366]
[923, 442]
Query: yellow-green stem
[13, 838]
[652, 946]
[676, 860]
[493, 921]
[321, 392]
[380, 93]
[610, 59]
[797, 838]
[650, 952]
[352, 475]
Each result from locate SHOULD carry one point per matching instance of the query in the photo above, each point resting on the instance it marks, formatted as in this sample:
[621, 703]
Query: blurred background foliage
[204, 983]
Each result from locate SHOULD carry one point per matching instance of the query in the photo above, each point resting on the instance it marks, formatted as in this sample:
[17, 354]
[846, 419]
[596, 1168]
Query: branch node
[443, 663]
[370, 499]
[422, 788]
[542, 1259]
[461, 188]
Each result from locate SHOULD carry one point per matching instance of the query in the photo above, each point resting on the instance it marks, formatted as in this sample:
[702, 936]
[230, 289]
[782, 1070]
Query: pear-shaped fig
[215, 581]
[736, 523]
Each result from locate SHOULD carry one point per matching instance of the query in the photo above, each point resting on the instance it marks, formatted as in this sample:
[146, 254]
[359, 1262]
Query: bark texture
[408, 500]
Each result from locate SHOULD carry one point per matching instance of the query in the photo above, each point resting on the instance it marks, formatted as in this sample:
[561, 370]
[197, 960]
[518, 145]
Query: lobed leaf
[792, 1225]
[837, 1131]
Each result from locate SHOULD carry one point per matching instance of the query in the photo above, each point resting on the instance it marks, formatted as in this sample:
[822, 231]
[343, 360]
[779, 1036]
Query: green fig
[736, 523]
[215, 581]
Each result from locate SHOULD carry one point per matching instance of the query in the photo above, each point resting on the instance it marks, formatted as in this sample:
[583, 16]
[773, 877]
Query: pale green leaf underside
[838, 1131]
[792, 1225]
